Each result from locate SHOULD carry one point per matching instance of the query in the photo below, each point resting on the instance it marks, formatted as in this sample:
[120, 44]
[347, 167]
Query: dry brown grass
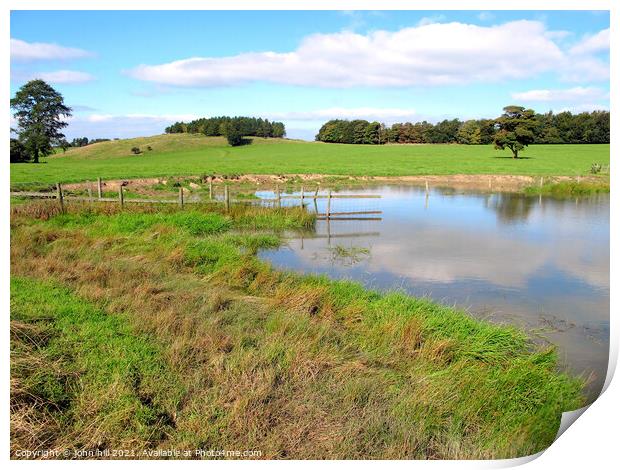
[266, 361]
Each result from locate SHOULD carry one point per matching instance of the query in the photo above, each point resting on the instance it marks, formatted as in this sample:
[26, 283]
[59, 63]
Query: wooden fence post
[60, 196]
[210, 188]
[329, 203]
[279, 201]
[90, 192]
[181, 197]
[302, 197]
[99, 191]
[227, 198]
[426, 182]
[121, 198]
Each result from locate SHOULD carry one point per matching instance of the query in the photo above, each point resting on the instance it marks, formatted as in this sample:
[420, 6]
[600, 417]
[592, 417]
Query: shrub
[135, 150]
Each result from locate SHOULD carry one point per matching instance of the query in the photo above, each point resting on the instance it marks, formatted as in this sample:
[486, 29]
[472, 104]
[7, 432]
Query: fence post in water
[121, 198]
[426, 182]
[541, 181]
[301, 198]
[60, 197]
[99, 191]
[279, 201]
[181, 197]
[227, 198]
[210, 188]
[329, 203]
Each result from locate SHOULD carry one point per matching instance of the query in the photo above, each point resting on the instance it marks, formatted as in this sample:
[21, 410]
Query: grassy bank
[184, 155]
[569, 189]
[226, 353]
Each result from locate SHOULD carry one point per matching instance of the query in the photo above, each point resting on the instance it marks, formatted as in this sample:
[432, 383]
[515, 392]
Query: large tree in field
[39, 111]
[515, 129]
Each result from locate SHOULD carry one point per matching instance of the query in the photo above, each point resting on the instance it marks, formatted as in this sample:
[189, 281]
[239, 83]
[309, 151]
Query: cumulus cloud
[429, 54]
[383, 114]
[31, 51]
[579, 94]
[594, 43]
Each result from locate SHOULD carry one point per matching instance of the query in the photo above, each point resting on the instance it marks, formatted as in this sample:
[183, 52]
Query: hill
[192, 154]
[163, 143]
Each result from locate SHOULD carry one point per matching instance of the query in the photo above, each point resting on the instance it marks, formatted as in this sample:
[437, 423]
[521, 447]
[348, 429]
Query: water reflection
[537, 262]
[511, 208]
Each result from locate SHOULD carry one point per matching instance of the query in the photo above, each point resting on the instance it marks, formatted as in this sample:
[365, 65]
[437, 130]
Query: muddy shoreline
[504, 183]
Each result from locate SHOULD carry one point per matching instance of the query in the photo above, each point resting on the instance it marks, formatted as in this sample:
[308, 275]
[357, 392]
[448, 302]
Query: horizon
[305, 68]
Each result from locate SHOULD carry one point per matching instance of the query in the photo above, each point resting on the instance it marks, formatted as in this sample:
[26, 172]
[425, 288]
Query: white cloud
[590, 44]
[583, 108]
[141, 117]
[31, 51]
[379, 114]
[100, 125]
[432, 54]
[64, 76]
[579, 94]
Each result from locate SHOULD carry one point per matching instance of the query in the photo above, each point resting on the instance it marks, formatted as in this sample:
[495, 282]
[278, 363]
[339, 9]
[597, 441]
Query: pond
[539, 263]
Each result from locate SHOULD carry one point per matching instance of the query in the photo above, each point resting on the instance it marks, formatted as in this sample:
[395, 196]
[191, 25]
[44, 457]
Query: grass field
[184, 155]
[154, 328]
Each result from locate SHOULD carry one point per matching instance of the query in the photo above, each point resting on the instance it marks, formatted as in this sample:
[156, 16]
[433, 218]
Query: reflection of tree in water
[511, 208]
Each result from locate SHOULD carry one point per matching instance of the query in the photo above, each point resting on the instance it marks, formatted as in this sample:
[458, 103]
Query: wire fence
[326, 204]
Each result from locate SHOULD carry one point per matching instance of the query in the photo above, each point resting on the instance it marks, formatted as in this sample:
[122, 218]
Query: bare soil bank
[506, 183]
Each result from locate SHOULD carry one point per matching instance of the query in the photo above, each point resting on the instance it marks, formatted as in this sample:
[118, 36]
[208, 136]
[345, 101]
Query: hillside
[163, 143]
[187, 154]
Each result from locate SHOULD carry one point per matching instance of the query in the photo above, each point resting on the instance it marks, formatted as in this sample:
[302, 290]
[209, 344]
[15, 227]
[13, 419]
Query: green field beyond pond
[154, 328]
[184, 155]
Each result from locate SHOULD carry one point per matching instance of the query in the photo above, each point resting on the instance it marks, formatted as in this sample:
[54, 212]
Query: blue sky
[131, 73]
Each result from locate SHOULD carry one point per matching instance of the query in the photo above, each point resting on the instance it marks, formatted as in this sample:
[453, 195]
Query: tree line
[547, 128]
[225, 125]
[82, 142]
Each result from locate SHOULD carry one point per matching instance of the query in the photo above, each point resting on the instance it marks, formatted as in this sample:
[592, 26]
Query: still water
[539, 263]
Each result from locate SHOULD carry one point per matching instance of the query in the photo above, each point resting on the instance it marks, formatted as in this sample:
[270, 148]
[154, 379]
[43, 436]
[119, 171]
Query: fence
[181, 200]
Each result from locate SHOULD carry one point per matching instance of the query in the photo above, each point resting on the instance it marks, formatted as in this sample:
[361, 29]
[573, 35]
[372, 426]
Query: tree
[469, 133]
[516, 129]
[234, 135]
[64, 145]
[79, 142]
[39, 111]
[278, 130]
[372, 133]
[18, 152]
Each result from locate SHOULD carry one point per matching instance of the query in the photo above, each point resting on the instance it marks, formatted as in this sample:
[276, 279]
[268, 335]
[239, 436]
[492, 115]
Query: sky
[132, 73]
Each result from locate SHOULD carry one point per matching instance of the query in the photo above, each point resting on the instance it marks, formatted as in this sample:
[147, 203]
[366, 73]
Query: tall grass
[565, 189]
[294, 366]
